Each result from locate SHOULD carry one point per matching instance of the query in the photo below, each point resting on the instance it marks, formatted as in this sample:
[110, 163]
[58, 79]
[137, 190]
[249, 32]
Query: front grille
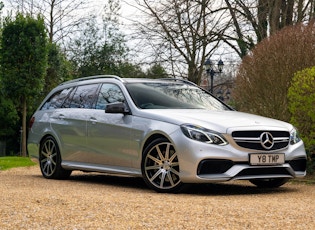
[214, 166]
[252, 139]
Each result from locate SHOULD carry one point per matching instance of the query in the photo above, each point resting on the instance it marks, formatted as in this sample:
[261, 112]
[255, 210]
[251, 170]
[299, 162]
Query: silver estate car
[168, 131]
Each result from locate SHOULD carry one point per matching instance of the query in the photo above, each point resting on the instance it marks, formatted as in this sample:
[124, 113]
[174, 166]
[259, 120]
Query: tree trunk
[24, 127]
[274, 15]
[288, 6]
[262, 20]
[193, 74]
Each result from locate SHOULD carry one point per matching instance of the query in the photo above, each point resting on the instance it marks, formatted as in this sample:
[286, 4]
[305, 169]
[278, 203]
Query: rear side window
[75, 97]
[84, 96]
[56, 100]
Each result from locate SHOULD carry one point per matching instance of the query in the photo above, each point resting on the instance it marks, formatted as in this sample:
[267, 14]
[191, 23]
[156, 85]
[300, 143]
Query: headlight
[294, 136]
[204, 135]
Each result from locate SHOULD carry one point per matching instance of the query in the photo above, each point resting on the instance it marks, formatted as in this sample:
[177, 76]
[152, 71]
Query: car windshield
[170, 95]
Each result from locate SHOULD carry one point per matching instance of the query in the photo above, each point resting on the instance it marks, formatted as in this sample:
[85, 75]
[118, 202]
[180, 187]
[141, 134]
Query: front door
[108, 135]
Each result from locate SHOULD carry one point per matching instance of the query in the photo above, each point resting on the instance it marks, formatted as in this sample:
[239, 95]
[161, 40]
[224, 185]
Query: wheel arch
[54, 137]
[171, 183]
[152, 138]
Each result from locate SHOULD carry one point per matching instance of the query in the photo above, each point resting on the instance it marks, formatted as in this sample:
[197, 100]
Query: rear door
[69, 122]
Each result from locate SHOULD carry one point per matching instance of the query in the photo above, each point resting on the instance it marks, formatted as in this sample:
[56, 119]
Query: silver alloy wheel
[48, 159]
[161, 167]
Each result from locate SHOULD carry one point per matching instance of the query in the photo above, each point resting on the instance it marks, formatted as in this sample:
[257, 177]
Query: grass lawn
[13, 162]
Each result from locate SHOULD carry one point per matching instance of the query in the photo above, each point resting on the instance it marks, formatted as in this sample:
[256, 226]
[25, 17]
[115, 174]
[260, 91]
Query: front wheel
[50, 160]
[160, 166]
[269, 183]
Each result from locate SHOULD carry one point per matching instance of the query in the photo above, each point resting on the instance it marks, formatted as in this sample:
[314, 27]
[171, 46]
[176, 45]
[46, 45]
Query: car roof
[123, 80]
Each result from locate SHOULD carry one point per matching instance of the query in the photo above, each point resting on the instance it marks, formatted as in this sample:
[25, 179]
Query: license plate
[266, 158]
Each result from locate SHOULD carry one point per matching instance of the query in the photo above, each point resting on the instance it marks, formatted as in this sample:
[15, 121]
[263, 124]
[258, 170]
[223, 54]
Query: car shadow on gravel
[111, 180]
[232, 188]
[134, 183]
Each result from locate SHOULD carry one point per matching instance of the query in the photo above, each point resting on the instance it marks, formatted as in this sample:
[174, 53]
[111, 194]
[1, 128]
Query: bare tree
[254, 20]
[62, 17]
[181, 32]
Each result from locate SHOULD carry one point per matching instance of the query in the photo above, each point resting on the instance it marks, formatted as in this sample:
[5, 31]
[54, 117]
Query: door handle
[93, 120]
[61, 116]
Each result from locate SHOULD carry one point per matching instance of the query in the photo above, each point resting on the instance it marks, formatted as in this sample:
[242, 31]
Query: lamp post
[211, 72]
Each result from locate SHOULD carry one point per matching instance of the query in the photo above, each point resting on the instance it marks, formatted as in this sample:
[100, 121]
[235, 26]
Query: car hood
[220, 121]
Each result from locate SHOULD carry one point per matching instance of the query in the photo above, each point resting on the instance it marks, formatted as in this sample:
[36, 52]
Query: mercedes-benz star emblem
[266, 140]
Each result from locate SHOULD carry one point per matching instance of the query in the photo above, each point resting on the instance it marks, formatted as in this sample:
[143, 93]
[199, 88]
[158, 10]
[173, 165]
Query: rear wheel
[160, 166]
[269, 183]
[50, 160]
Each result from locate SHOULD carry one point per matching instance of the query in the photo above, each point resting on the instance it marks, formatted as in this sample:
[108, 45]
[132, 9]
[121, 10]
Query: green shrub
[301, 97]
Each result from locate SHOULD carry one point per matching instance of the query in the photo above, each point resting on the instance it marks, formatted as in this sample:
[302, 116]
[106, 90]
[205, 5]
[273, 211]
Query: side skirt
[70, 165]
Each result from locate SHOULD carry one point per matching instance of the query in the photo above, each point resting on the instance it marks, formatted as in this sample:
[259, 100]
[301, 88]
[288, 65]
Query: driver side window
[109, 93]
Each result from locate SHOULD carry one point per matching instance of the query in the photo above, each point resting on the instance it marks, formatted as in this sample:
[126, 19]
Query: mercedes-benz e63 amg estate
[168, 131]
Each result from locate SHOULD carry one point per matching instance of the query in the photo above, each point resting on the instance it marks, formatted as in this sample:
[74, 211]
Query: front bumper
[224, 170]
[201, 163]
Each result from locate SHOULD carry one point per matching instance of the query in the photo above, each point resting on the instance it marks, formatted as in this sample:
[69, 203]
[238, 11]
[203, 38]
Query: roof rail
[92, 77]
[180, 80]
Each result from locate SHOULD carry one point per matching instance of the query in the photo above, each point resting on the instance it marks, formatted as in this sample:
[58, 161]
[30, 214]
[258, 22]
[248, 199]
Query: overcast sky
[127, 13]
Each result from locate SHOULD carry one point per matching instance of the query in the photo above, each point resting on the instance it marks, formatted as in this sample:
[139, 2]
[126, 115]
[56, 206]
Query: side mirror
[117, 107]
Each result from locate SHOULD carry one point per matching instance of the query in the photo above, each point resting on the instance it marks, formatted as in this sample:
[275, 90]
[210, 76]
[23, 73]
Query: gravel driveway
[97, 201]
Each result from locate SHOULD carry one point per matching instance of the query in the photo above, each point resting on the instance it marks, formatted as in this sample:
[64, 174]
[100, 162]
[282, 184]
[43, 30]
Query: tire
[269, 183]
[50, 160]
[160, 167]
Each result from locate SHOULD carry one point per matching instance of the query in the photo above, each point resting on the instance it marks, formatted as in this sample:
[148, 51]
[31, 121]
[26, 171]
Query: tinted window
[56, 100]
[84, 96]
[109, 93]
[160, 95]
[67, 101]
